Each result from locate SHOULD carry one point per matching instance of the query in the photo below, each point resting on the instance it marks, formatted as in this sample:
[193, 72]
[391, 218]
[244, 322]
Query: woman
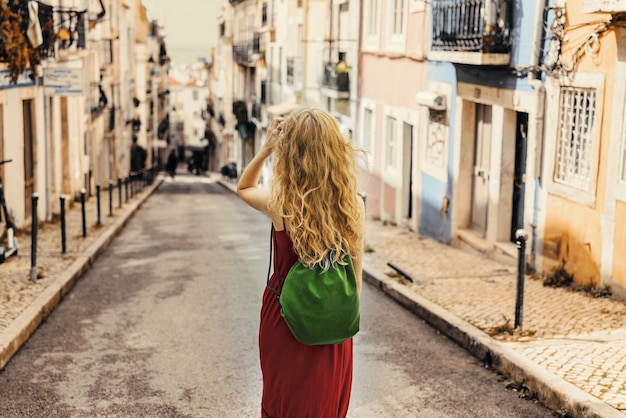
[318, 217]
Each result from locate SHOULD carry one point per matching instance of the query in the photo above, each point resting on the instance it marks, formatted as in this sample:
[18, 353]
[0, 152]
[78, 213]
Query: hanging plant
[15, 48]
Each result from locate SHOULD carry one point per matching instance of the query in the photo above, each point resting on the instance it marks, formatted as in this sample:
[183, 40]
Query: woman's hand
[273, 134]
[248, 186]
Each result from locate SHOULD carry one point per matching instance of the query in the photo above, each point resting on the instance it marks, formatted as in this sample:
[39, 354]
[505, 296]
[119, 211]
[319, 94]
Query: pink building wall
[390, 79]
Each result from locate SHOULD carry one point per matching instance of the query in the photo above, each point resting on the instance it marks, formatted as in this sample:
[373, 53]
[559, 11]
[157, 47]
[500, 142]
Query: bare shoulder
[277, 219]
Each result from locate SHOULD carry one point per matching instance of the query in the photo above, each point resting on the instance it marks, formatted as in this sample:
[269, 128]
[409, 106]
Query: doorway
[29, 156]
[407, 176]
[482, 168]
[519, 185]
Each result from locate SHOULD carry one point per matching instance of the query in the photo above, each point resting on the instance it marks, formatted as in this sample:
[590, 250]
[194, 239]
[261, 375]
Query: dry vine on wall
[15, 48]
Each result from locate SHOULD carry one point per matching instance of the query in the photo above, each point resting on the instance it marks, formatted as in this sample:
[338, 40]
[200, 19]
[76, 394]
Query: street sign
[63, 81]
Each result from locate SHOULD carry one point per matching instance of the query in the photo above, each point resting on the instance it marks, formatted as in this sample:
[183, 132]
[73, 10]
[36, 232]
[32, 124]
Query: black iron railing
[471, 26]
[71, 29]
[243, 52]
[334, 79]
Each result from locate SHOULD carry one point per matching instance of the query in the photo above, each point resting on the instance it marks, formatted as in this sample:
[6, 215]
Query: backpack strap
[274, 244]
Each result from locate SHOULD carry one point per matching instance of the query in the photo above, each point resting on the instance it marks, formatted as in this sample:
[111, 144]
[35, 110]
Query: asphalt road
[165, 325]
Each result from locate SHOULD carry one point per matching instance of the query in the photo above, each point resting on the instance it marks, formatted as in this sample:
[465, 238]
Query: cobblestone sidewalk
[571, 335]
[24, 303]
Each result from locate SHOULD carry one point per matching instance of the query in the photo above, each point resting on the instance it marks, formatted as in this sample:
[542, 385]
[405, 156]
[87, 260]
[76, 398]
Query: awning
[282, 109]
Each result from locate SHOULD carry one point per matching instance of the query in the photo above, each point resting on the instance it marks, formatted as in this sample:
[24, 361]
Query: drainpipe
[305, 51]
[359, 61]
[534, 80]
[330, 35]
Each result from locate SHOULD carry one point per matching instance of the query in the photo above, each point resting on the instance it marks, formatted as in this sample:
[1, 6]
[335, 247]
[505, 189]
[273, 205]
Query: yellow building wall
[573, 231]
[573, 236]
[619, 249]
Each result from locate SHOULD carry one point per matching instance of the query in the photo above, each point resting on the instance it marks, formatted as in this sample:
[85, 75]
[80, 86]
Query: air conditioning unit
[431, 100]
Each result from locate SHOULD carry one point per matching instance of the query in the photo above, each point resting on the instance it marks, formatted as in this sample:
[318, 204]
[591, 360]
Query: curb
[551, 390]
[22, 327]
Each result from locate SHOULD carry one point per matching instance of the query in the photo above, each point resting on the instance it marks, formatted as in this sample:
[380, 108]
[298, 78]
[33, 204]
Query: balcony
[71, 34]
[604, 6]
[46, 21]
[246, 53]
[335, 84]
[470, 32]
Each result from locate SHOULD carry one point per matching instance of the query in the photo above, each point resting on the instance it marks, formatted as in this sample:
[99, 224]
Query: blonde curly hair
[314, 188]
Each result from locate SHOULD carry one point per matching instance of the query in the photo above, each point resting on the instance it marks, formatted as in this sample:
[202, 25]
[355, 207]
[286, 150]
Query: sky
[190, 26]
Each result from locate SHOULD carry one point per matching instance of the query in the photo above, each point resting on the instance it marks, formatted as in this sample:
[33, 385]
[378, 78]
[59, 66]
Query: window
[279, 67]
[575, 141]
[395, 34]
[366, 133]
[398, 17]
[371, 25]
[577, 107]
[391, 158]
[264, 14]
[372, 22]
[368, 125]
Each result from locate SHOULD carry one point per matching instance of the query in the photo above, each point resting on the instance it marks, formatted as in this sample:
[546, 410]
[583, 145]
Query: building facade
[585, 145]
[391, 72]
[473, 134]
[75, 106]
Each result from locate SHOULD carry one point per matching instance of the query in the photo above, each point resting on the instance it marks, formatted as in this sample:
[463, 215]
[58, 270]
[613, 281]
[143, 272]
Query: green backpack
[320, 307]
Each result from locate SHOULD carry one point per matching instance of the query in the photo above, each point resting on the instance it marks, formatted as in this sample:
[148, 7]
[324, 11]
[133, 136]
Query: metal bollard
[110, 197]
[119, 191]
[98, 203]
[126, 189]
[63, 243]
[33, 235]
[83, 213]
[521, 236]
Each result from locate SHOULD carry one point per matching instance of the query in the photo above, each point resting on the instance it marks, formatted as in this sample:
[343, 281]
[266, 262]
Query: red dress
[299, 381]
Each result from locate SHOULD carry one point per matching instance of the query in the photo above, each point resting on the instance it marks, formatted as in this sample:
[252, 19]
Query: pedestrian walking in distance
[318, 219]
[172, 163]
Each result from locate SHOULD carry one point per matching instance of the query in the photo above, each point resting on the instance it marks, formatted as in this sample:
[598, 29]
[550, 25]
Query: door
[482, 167]
[29, 156]
[66, 176]
[407, 167]
[519, 185]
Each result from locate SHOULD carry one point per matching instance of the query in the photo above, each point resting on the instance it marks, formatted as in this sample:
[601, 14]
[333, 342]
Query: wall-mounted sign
[63, 81]
[22, 81]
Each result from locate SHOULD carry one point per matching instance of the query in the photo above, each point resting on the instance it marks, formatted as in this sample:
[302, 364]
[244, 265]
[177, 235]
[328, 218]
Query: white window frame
[371, 41]
[370, 131]
[561, 188]
[396, 42]
[392, 173]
